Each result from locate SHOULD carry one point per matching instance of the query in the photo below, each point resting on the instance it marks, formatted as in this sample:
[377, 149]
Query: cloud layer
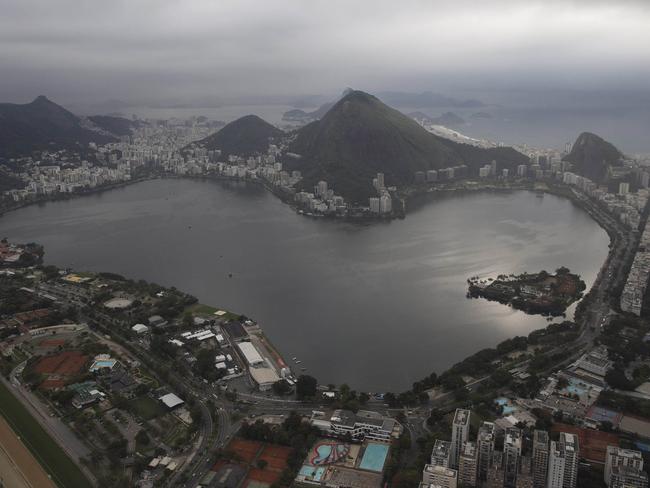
[199, 49]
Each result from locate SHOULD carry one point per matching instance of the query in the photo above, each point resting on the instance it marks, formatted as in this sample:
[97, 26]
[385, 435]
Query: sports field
[18, 467]
[63, 471]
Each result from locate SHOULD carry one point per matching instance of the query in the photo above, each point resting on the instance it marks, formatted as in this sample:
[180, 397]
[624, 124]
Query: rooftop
[171, 400]
[461, 417]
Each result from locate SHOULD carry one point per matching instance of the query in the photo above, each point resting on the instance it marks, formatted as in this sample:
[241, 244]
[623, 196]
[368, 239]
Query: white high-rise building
[439, 476]
[468, 465]
[627, 477]
[617, 456]
[380, 181]
[375, 206]
[459, 434]
[321, 188]
[385, 204]
[563, 462]
[485, 441]
[623, 188]
[556, 461]
[511, 456]
[440, 456]
[540, 458]
[569, 442]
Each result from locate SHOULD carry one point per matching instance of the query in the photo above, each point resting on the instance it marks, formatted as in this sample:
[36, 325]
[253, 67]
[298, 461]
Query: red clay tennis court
[262, 476]
[246, 450]
[593, 443]
[68, 363]
[275, 457]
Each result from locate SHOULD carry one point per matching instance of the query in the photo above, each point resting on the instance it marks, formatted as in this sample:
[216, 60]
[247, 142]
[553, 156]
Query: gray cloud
[78, 51]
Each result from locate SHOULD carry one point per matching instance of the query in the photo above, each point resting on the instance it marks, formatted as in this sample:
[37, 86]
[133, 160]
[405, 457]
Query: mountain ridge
[246, 136]
[42, 124]
[592, 156]
[361, 136]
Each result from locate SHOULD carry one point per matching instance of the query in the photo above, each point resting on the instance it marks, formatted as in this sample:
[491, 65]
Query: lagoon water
[375, 305]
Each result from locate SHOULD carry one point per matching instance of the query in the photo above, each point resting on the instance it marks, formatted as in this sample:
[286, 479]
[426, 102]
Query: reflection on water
[376, 306]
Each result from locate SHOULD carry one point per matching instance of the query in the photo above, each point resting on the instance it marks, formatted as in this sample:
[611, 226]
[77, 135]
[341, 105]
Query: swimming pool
[576, 387]
[505, 404]
[312, 472]
[374, 457]
[329, 453]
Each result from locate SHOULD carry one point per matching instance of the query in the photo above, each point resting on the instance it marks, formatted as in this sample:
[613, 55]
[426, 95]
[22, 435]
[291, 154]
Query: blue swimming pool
[374, 457]
[312, 472]
[505, 403]
[576, 387]
[329, 453]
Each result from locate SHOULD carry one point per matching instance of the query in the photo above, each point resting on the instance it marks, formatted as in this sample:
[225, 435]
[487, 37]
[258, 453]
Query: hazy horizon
[207, 53]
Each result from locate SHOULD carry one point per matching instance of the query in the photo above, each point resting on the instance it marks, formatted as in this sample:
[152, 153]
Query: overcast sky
[81, 51]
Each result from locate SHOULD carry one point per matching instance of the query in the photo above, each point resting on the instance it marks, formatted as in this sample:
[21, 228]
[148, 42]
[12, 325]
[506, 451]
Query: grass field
[56, 462]
[201, 309]
[174, 433]
[146, 407]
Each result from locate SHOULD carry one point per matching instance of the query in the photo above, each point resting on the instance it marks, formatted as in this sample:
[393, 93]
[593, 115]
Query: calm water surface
[377, 306]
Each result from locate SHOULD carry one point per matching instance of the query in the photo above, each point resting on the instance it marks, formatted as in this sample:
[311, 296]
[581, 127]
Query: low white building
[170, 400]
[140, 329]
[362, 425]
[250, 353]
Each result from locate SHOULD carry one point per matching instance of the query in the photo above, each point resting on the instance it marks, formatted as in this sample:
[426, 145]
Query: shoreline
[566, 192]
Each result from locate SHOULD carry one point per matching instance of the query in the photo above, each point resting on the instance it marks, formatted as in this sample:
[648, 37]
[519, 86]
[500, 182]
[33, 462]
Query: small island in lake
[540, 293]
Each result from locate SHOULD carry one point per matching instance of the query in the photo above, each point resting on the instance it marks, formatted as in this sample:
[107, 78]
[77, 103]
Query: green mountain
[245, 136]
[118, 126]
[361, 136]
[43, 124]
[592, 156]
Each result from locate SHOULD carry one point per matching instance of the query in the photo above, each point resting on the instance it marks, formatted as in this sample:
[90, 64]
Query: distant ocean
[544, 127]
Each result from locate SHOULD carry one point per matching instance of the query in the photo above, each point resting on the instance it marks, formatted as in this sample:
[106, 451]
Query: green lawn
[56, 462]
[174, 433]
[201, 309]
[146, 407]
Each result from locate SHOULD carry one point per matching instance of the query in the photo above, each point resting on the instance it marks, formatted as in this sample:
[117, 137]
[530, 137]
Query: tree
[281, 387]
[142, 437]
[616, 379]
[306, 386]
[435, 417]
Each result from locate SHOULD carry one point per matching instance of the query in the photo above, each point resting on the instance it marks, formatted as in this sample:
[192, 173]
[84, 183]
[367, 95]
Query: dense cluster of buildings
[322, 201]
[544, 463]
[382, 204]
[62, 172]
[627, 206]
[637, 279]
[441, 175]
[52, 179]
